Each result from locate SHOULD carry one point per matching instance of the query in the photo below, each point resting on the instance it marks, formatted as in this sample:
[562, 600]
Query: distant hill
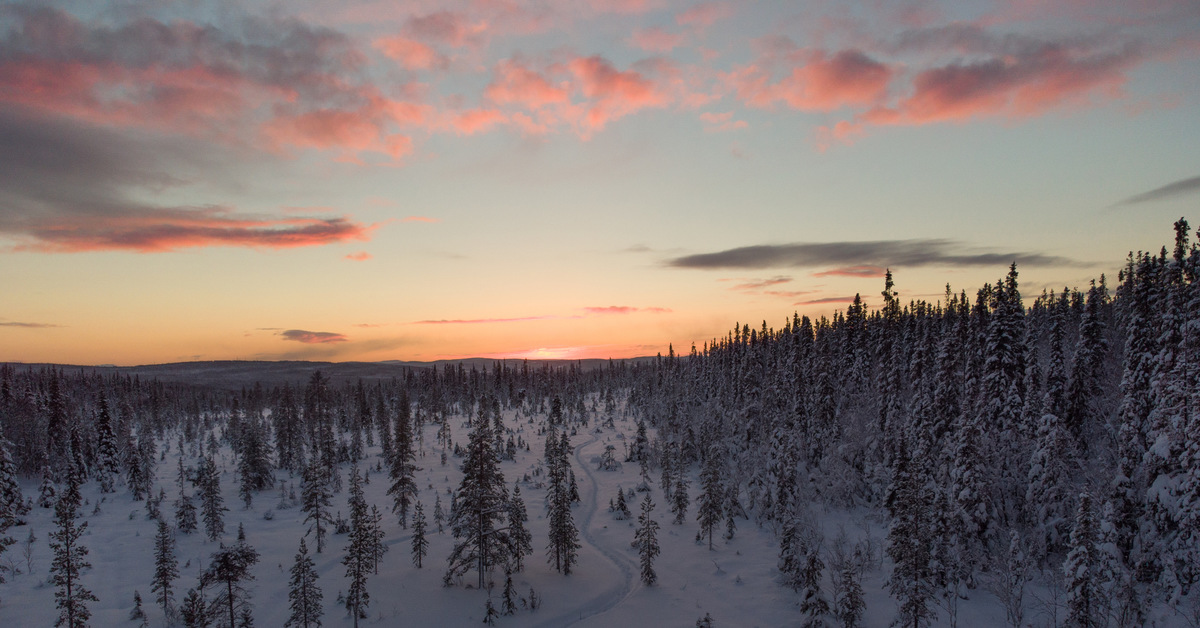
[236, 374]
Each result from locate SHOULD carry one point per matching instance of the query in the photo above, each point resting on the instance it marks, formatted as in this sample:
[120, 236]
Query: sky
[420, 180]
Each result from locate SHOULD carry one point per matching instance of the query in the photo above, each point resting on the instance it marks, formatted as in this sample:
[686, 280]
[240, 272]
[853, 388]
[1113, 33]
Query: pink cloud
[411, 54]
[625, 309]
[447, 27]
[623, 6]
[1013, 86]
[360, 256]
[513, 83]
[852, 271]
[477, 120]
[704, 15]
[312, 337]
[656, 39]
[612, 93]
[425, 219]
[718, 122]
[819, 82]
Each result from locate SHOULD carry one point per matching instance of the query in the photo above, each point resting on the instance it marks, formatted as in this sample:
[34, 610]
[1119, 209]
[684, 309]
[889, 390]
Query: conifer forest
[988, 458]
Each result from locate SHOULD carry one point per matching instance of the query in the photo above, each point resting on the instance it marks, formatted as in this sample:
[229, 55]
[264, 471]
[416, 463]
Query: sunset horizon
[597, 179]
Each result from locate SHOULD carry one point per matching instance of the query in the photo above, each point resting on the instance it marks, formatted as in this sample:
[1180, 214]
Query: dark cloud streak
[1170, 190]
[886, 253]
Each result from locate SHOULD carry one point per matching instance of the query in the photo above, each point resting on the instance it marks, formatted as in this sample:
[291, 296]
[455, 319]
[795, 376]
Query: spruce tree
[509, 600]
[194, 610]
[480, 543]
[304, 596]
[254, 463]
[70, 596]
[185, 509]
[1085, 605]
[212, 505]
[378, 547]
[679, 495]
[420, 544]
[563, 542]
[228, 570]
[316, 501]
[108, 465]
[359, 550]
[849, 605]
[166, 567]
[12, 502]
[711, 505]
[401, 467]
[909, 542]
[521, 537]
[645, 538]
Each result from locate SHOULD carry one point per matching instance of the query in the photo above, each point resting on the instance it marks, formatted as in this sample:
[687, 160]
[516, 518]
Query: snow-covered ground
[737, 582]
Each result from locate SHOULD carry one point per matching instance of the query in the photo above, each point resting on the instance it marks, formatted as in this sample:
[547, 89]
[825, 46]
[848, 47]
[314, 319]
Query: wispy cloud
[313, 337]
[480, 321]
[853, 271]
[1170, 190]
[28, 325]
[894, 253]
[625, 309]
[827, 300]
[360, 256]
[424, 219]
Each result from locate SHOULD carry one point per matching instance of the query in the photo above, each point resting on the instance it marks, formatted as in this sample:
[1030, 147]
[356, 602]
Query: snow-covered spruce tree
[228, 570]
[359, 550]
[401, 466]
[108, 459]
[711, 504]
[848, 604]
[378, 547]
[166, 568]
[420, 544]
[70, 596]
[47, 492]
[1054, 459]
[304, 595]
[254, 462]
[521, 537]
[316, 502]
[480, 543]
[439, 516]
[194, 610]
[141, 460]
[5, 541]
[185, 509]
[909, 542]
[620, 508]
[1085, 605]
[679, 492]
[508, 601]
[138, 613]
[645, 538]
[813, 604]
[289, 431]
[563, 544]
[1087, 369]
[12, 502]
[212, 505]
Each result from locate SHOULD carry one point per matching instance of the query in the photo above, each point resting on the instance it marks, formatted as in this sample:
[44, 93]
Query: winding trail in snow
[613, 596]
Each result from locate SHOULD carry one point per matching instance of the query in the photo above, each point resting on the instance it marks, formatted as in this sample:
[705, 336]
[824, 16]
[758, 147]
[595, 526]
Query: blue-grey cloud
[1170, 190]
[883, 253]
